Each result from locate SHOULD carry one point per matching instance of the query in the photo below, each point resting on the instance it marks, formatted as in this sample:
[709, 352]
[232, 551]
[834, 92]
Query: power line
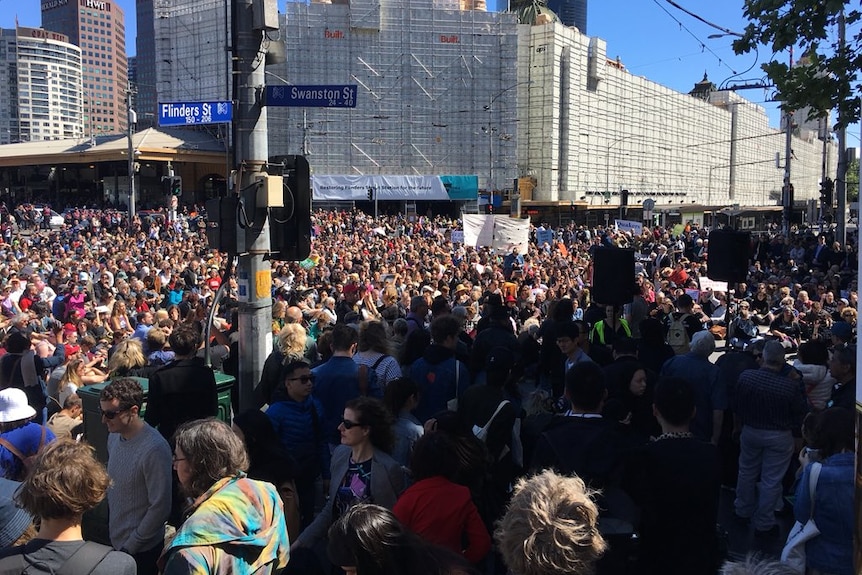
[704, 20]
[693, 35]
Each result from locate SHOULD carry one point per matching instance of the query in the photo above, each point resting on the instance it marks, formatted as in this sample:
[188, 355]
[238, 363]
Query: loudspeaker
[613, 276]
[222, 224]
[729, 253]
[290, 226]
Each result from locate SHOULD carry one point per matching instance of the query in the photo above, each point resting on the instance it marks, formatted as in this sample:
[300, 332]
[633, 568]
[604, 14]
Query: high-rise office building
[145, 99]
[43, 98]
[98, 28]
[571, 13]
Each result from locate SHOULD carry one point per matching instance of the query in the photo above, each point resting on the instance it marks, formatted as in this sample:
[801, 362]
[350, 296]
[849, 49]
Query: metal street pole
[841, 176]
[490, 161]
[823, 130]
[490, 109]
[607, 194]
[608, 169]
[251, 151]
[786, 191]
[132, 119]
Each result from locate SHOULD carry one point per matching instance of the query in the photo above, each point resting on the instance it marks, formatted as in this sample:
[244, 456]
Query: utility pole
[304, 133]
[734, 122]
[251, 151]
[841, 176]
[132, 120]
[823, 130]
[787, 188]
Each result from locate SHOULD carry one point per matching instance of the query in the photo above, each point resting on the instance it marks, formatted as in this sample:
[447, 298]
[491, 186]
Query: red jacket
[442, 512]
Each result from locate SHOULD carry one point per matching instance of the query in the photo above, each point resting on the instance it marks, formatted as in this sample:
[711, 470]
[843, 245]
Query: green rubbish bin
[95, 431]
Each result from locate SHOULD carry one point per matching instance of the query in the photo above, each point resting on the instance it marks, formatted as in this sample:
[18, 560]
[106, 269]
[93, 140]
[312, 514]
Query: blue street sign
[342, 96]
[194, 113]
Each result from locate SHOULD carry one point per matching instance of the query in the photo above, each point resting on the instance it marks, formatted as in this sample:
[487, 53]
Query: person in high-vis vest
[606, 331]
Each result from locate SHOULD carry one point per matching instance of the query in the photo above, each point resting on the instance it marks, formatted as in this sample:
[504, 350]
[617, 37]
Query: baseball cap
[842, 330]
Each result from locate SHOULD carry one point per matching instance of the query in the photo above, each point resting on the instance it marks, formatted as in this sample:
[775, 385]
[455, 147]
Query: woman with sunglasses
[362, 470]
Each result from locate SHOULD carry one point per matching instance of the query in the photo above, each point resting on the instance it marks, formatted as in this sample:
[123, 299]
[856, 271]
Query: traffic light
[624, 197]
[172, 185]
[826, 188]
[489, 208]
[370, 194]
[290, 226]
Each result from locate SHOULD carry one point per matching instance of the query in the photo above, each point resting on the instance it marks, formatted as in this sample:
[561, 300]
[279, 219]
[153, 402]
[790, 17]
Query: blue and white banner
[636, 228]
[357, 188]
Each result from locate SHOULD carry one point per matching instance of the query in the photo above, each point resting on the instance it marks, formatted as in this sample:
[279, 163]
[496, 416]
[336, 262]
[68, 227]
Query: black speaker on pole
[613, 276]
[222, 223]
[290, 226]
[728, 255]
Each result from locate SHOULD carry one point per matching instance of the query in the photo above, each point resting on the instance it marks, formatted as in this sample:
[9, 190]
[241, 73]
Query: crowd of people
[418, 392]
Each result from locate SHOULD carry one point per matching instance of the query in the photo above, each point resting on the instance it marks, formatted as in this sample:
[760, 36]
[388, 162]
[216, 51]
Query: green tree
[852, 181]
[827, 78]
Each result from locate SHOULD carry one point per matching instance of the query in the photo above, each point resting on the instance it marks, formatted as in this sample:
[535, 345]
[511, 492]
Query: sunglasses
[113, 414]
[302, 378]
[350, 424]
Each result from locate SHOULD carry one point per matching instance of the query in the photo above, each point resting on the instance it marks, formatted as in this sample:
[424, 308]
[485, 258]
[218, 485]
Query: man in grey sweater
[139, 463]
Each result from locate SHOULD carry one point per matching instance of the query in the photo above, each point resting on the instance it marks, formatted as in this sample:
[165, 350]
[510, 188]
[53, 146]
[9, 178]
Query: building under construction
[437, 89]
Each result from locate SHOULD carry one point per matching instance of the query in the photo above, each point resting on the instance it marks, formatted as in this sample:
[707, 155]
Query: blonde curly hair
[550, 527]
[291, 341]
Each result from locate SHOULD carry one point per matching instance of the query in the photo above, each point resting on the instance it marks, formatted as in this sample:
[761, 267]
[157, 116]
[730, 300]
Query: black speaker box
[290, 226]
[613, 276]
[222, 223]
[729, 253]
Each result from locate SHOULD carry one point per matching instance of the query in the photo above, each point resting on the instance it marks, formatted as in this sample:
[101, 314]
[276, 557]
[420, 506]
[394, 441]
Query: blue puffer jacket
[832, 550]
[299, 426]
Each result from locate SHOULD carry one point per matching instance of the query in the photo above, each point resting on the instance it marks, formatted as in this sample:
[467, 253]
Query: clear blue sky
[641, 32]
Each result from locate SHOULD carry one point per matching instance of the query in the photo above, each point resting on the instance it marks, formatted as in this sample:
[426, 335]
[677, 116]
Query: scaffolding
[434, 87]
[592, 129]
[191, 39]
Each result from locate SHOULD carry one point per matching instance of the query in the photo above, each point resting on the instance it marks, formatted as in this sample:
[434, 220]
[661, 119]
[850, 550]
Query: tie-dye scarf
[236, 527]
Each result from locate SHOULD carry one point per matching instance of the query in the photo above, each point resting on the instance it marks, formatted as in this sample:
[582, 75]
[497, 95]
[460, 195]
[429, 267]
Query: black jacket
[180, 391]
[591, 448]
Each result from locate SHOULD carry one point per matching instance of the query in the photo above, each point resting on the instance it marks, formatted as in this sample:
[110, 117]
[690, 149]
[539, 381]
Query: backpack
[482, 432]
[677, 334]
[28, 460]
[82, 562]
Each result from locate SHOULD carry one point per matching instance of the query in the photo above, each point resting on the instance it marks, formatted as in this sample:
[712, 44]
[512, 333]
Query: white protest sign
[636, 228]
[706, 283]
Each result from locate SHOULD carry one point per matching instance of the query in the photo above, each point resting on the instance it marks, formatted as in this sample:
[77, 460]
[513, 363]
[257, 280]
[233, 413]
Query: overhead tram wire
[693, 35]
[704, 20]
